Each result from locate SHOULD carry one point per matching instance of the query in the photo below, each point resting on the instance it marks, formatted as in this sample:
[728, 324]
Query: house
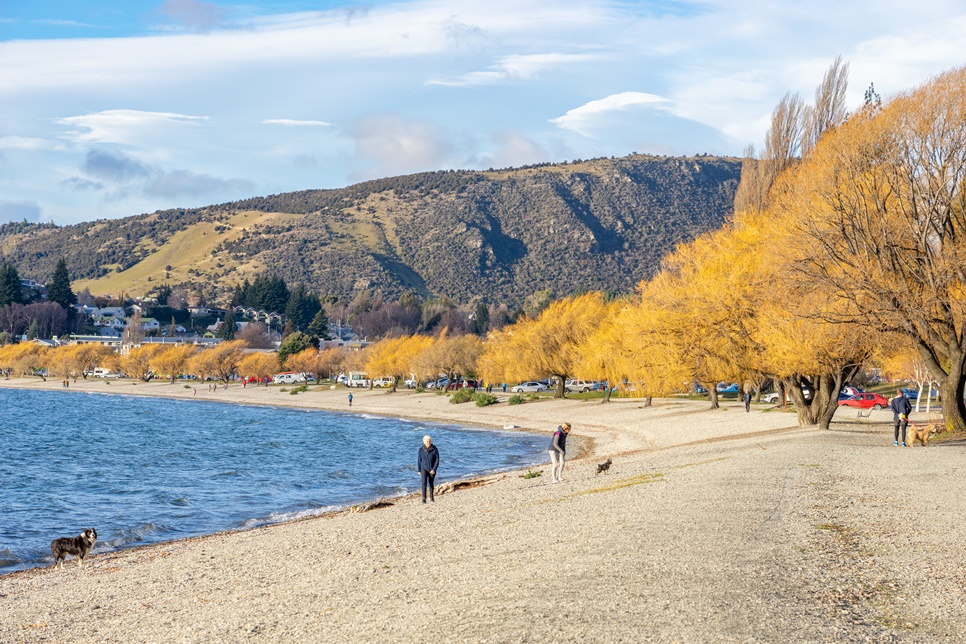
[86, 309]
[110, 332]
[199, 311]
[150, 324]
[110, 321]
[113, 311]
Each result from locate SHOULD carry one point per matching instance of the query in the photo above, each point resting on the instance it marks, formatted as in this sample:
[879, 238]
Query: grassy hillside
[600, 224]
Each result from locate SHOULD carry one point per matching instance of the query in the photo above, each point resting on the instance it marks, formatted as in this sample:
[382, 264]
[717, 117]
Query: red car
[865, 401]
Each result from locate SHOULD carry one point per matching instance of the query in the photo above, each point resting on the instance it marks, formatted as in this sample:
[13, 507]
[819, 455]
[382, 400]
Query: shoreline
[710, 525]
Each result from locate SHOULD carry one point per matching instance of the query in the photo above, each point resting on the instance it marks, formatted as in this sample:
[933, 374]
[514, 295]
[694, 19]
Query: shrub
[484, 399]
[187, 386]
[515, 399]
[298, 390]
[420, 389]
[532, 396]
[532, 474]
[461, 396]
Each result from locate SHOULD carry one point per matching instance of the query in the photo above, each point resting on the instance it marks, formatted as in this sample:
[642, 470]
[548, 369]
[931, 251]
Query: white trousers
[556, 465]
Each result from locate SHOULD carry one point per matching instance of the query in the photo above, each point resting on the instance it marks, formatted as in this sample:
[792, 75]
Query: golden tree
[259, 365]
[880, 207]
[450, 355]
[220, 361]
[331, 360]
[548, 345]
[171, 361]
[305, 361]
[90, 355]
[138, 361]
[395, 357]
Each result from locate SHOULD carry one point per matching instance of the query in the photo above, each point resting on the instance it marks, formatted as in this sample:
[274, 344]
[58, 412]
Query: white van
[288, 378]
[105, 373]
[582, 386]
[357, 379]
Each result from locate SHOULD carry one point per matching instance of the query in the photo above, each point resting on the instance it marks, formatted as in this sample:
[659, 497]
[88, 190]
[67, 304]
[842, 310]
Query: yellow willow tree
[697, 316]
[901, 361]
[605, 353]
[548, 345]
[451, 355]
[879, 208]
[138, 362]
[90, 355]
[395, 357]
[172, 361]
[331, 360]
[24, 359]
[259, 365]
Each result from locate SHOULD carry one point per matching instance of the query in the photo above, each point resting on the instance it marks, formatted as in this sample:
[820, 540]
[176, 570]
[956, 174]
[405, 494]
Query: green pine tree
[302, 307]
[227, 329]
[293, 344]
[58, 288]
[319, 326]
[10, 290]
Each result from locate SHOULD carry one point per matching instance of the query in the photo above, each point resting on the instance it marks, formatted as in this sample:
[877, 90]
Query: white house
[150, 324]
[113, 311]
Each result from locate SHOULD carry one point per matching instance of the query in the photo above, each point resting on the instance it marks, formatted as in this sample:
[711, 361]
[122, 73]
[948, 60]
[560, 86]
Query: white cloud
[296, 123]
[584, 118]
[122, 126]
[388, 144]
[517, 67]
[29, 143]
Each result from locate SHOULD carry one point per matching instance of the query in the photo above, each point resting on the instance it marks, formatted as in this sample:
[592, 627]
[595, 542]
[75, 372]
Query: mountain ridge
[501, 234]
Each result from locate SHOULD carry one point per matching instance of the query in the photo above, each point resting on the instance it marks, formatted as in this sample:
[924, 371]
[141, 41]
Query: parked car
[410, 383]
[698, 389]
[467, 383]
[912, 394]
[384, 381]
[852, 391]
[288, 378]
[725, 388]
[583, 386]
[528, 387]
[865, 401]
[771, 398]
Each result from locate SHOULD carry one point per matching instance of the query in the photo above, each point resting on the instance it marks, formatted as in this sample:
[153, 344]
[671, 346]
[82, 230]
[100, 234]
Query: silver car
[528, 387]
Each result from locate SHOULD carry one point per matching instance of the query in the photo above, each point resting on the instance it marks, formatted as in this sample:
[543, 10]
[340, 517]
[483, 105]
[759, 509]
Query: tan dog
[921, 433]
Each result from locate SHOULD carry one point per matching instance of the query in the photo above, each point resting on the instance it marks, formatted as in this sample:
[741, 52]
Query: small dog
[78, 546]
[921, 433]
[603, 467]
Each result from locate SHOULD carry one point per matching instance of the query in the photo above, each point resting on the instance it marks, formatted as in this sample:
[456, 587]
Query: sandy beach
[710, 526]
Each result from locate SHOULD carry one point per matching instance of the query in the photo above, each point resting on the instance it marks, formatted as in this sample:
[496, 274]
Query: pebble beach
[709, 526]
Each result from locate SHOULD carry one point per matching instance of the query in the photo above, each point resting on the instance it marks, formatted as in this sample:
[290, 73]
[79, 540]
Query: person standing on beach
[901, 408]
[350, 400]
[427, 460]
[558, 452]
[747, 401]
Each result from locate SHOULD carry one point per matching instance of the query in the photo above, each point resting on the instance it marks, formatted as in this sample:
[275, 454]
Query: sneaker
[424, 500]
[904, 445]
[896, 443]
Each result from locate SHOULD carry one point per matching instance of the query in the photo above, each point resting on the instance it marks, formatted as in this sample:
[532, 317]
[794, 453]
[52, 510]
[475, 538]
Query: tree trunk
[954, 412]
[172, 380]
[561, 387]
[392, 387]
[648, 401]
[712, 394]
[607, 391]
[782, 394]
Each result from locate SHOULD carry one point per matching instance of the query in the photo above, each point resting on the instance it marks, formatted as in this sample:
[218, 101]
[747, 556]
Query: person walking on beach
[350, 400]
[427, 460]
[558, 452]
[901, 408]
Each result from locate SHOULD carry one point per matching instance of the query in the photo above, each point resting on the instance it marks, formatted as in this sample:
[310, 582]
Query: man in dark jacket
[901, 408]
[558, 452]
[427, 460]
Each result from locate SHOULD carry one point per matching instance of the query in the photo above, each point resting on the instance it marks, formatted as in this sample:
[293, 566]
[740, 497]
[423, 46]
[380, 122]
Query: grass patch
[532, 474]
[461, 396]
[515, 399]
[298, 390]
[484, 399]
[636, 480]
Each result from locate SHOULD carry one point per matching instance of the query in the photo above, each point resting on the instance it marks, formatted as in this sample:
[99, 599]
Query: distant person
[350, 400]
[747, 401]
[504, 387]
[558, 452]
[901, 408]
[427, 460]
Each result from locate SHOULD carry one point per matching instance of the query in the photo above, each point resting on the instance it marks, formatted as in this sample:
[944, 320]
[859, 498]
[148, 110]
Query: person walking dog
[558, 452]
[901, 408]
[427, 460]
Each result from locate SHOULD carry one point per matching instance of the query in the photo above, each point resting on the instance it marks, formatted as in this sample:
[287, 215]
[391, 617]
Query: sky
[110, 109]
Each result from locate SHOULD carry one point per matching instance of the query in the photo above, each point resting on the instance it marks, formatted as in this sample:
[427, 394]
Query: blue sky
[112, 109]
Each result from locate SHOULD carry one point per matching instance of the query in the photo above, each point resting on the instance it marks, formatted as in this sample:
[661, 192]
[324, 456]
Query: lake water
[143, 470]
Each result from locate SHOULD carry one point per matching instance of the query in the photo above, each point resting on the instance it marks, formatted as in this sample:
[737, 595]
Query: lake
[144, 470]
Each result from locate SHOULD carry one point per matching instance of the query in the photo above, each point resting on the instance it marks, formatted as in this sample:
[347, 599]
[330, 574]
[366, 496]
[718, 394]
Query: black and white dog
[78, 546]
[603, 467]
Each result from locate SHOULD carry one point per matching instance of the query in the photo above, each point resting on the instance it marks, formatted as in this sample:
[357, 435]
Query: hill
[599, 224]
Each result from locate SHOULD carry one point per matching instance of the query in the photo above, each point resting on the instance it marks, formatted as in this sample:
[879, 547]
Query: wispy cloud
[118, 175]
[122, 126]
[389, 144]
[582, 119]
[29, 143]
[516, 67]
[296, 123]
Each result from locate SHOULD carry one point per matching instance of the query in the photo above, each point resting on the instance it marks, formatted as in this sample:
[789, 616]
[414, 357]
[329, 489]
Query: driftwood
[374, 505]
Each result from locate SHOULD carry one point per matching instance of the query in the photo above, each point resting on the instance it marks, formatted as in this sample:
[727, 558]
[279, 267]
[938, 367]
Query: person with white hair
[427, 460]
[558, 452]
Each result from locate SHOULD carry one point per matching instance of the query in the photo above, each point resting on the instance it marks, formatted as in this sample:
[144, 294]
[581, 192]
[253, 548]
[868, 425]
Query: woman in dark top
[427, 460]
[558, 452]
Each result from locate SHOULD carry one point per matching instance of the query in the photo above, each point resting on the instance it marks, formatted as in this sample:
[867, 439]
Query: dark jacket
[559, 441]
[427, 459]
[900, 405]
